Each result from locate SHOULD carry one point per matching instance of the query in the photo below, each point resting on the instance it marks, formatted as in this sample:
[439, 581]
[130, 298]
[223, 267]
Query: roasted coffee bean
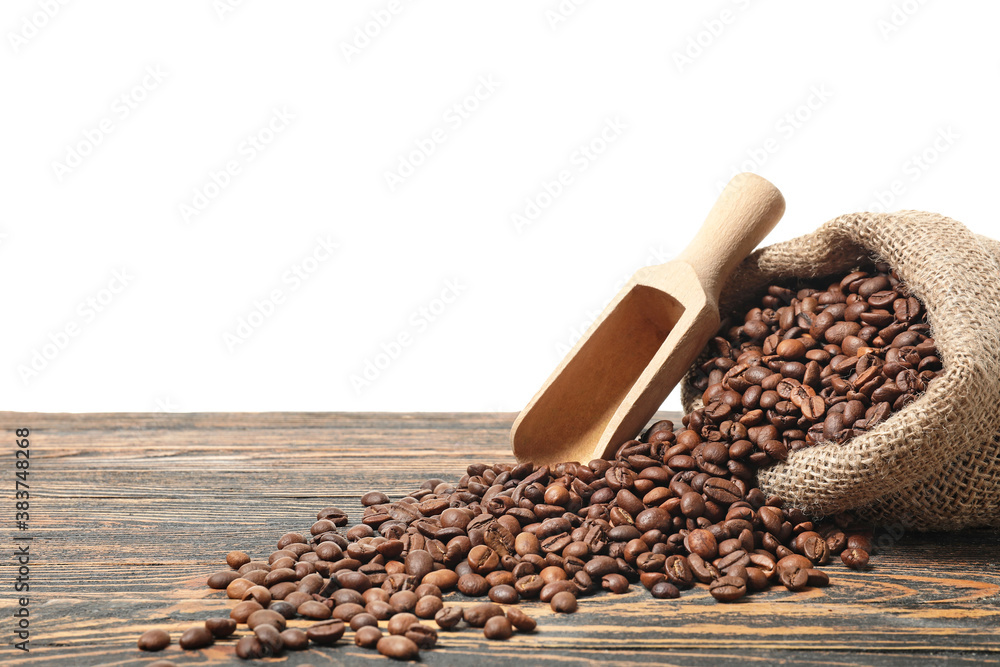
[856, 559]
[615, 583]
[504, 594]
[403, 601]
[242, 611]
[478, 614]
[367, 636]
[346, 612]
[397, 647]
[448, 617]
[793, 571]
[728, 589]
[266, 616]
[563, 602]
[520, 620]
[221, 580]
[314, 610]
[419, 563]
[221, 627]
[153, 640]
[374, 498]
[361, 620]
[428, 606]
[423, 636]
[326, 633]
[269, 638]
[664, 590]
[294, 639]
[195, 638]
[498, 627]
[250, 648]
[483, 559]
[703, 543]
[473, 585]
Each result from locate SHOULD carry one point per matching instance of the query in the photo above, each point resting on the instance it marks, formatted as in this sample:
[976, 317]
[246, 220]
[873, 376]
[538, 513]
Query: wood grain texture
[130, 513]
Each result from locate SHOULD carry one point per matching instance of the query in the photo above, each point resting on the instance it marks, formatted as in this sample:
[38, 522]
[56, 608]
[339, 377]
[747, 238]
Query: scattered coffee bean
[195, 638]
[564, 602]
[249, 648]
[520, 620]
[154, 640]
[368, 636]
[221, 627]
[478, 614]
[856, 559]
[294, 639]
[448, 617]
[326, 633]
[499, 627]
[398, 647]
[269, 638]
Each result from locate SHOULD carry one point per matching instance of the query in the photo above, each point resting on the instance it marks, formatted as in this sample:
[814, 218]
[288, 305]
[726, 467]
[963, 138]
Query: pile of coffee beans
[813, 366]
[673, 509]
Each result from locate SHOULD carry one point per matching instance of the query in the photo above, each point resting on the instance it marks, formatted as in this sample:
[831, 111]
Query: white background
[837, 104]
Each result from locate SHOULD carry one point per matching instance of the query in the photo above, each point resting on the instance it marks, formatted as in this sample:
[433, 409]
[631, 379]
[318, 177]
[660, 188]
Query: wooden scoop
[618, 375]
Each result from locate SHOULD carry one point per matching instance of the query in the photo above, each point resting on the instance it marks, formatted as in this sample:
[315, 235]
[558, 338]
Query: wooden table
[130, 512]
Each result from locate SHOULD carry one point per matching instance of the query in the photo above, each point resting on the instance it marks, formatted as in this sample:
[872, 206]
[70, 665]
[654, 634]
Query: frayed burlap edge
[935, 465]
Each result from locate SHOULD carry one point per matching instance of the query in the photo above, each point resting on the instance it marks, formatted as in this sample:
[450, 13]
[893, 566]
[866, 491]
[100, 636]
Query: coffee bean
[483, 559]
[728, 589]
[504, 594]
[294, 639]
[222, 579]
[793, 571]
[448, 617]
[195, 638]
[563, 602]
[314, 610]
[249, 648]
[664, 590]
[397, 647]
[266, 617]
[854, 558]
[428, 606]
[702, 543]
[242, 611]
[326, 633]
[221, 627]
[615, 583]
[520, 620]
[154, 640]
[478, 614]
[400, 622]
[374, 498]
[367, 636]
[237, 559]
[499, 627]
[359, 621]
[269, 638]
[423, 636]
[473, 585]
[443, 579]
[403, 601]
[419, 563]
[722, 490]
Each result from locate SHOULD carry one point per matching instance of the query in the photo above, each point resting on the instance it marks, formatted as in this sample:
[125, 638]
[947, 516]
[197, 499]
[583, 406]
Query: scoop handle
[748, 208]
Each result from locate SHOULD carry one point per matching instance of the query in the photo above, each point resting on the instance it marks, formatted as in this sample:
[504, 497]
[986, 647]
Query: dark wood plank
[131, 512]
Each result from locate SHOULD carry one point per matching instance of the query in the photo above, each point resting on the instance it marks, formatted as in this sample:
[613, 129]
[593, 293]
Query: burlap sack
[935, 464]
